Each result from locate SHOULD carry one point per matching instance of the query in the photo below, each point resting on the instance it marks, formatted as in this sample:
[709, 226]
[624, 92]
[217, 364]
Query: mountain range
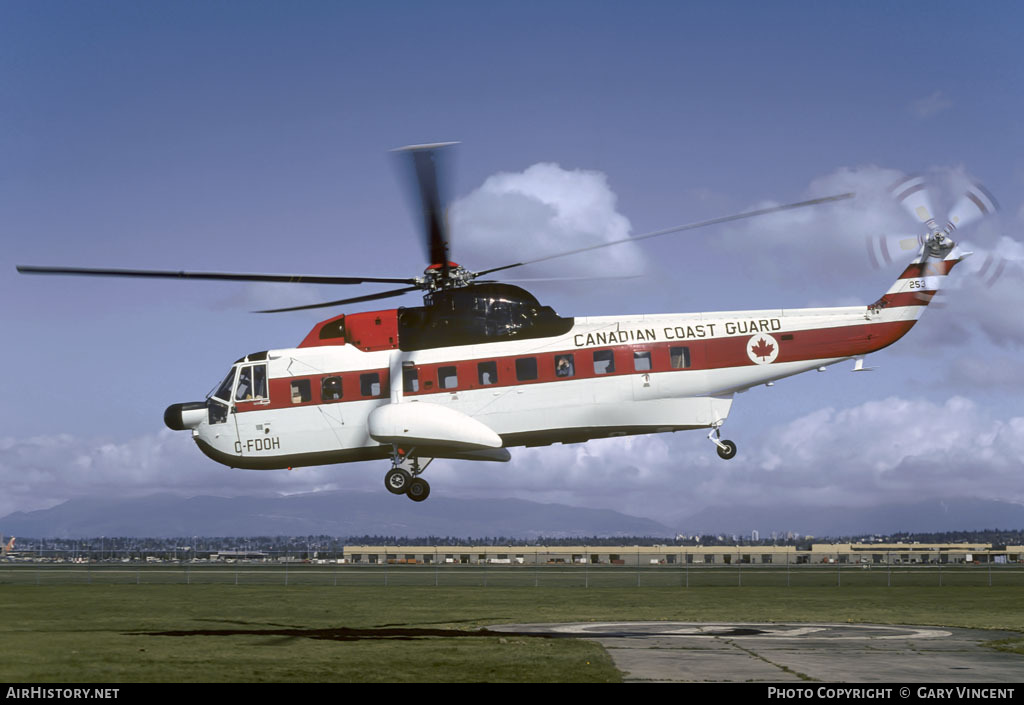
[378, 513]
[321, 513]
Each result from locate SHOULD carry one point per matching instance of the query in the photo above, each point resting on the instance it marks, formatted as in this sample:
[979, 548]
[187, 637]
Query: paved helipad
[834, 653]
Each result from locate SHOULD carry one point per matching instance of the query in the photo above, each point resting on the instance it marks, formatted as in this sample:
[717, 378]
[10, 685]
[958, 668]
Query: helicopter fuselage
[352, 391]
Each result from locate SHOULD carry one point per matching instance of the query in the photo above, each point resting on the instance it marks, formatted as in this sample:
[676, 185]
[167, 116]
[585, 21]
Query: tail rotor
[936, 242]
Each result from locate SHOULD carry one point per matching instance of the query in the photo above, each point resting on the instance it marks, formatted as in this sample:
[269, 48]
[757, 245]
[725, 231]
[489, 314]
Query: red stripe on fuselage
[707, 354]
[920, 297]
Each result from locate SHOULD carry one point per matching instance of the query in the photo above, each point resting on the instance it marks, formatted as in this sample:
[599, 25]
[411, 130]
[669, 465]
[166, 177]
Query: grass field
[120, 629]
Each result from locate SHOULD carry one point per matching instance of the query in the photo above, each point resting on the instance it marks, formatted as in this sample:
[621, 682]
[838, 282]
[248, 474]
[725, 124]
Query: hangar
[851, 553]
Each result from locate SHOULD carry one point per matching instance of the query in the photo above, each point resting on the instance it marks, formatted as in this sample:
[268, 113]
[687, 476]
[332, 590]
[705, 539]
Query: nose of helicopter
[181, 417]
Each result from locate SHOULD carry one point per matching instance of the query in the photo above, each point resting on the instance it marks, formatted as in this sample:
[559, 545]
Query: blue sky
[246, 136]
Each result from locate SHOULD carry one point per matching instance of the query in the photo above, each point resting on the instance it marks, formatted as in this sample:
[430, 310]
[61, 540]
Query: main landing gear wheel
[727, 451]
[397, 481]
[419, 489]
[404, 475]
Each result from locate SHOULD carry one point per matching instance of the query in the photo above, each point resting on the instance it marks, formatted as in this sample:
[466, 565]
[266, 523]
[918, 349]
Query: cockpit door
[252, 420]
[251, 388]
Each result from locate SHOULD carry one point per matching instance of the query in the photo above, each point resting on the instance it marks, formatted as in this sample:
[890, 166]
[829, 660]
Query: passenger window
[680, 357]
[410, 379]
[526, 369]
[330, 389]
[564, 366]
[604, 362]
[301, 391]
[447, 377]
[487, 372]
[369, 384]
[641, 360]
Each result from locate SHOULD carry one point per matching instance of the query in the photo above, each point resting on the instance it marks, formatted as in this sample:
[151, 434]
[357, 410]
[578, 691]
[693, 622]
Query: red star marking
[762, 349]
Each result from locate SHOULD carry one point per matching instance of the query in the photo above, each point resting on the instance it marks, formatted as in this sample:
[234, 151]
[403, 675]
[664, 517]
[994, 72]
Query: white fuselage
[606, 376]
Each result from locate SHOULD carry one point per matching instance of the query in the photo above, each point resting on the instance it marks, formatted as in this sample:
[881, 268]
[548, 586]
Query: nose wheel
[403, 477]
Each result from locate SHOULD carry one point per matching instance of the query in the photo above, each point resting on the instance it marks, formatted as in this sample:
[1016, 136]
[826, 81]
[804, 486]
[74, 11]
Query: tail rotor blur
[914, 194]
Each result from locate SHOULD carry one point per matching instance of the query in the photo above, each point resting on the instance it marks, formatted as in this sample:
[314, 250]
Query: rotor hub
[939, 244]
[450, 275]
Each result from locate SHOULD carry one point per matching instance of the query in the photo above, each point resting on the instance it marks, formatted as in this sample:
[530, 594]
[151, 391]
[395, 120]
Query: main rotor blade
[679, 228]
[341, 302]
[213, 276]
[427, 174]
[537, 280]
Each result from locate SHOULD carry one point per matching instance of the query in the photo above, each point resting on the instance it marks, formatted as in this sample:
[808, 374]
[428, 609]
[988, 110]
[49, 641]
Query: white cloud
[824, 242]
[541, 211]
[836, 233]
[42, 471]
[891, 450]
[931, 105]
[988, 372]
[895, 449]
[982, 300]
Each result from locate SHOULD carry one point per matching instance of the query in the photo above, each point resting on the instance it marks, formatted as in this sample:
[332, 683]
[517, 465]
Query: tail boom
[916, 286]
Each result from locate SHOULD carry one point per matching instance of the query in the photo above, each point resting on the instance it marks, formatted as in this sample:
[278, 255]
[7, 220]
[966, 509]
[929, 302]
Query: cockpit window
[252, 383]
[259, 381]
[224, 388]
[244, 388]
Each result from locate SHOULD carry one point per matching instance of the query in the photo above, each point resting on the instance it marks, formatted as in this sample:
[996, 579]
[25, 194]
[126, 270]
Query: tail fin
[917, 285]
[8, 548]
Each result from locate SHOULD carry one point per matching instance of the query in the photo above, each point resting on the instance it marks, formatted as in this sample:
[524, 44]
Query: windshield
[224, 388]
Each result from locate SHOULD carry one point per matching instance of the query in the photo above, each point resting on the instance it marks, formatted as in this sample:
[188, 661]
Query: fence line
[559, 575]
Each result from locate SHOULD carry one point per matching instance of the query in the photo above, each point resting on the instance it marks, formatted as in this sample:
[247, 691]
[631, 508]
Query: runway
[831, 653]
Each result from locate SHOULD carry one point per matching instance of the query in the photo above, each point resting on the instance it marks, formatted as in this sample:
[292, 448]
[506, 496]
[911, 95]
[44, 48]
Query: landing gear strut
[726, 449]
[404, 475]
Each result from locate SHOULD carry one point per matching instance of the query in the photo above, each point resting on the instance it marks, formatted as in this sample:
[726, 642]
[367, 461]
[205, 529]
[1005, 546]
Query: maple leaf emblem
[763, 349]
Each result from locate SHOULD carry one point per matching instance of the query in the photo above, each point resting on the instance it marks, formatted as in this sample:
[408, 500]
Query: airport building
[850, 553]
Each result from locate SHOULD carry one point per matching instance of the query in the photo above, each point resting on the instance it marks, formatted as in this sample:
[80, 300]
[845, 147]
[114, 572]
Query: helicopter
[482, 366]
